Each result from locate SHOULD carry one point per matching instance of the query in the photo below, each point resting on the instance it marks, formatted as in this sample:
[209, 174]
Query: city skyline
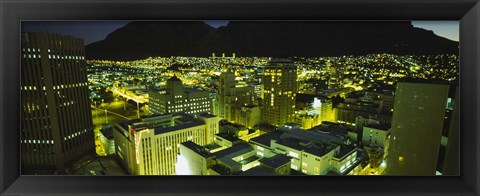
[229, 114]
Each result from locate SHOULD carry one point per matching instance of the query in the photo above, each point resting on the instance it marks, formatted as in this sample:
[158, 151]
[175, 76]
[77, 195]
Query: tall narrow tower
[57, 127]
[418, 131]
[226, 99]
[280, 84]
[232, 97]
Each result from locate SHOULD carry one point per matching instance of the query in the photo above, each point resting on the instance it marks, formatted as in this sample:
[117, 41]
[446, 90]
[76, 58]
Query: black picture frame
[14, 11]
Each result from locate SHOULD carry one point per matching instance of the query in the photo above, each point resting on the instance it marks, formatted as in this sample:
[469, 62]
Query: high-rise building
[57, 127]
[258, 90]
[334, 79]
[280, 84]
[419, 131]
[175, 98]
[231, 97]
[149, 146]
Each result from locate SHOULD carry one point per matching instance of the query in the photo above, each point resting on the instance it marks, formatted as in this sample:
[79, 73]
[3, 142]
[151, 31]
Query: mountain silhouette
[143, 39]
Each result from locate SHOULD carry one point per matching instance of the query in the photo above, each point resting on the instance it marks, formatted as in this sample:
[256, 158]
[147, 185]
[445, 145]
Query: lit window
[293, 154]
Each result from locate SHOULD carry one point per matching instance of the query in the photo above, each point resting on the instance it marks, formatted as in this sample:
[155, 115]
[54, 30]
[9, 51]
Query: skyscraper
[280, 84]
[57, 127]
[419, 132]
[232, 97]
[226, 109]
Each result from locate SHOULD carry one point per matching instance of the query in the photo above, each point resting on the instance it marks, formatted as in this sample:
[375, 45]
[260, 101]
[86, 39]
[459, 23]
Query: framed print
[239, 97]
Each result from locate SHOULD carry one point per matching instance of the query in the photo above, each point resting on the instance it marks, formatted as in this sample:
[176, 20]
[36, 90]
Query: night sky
[93, 31]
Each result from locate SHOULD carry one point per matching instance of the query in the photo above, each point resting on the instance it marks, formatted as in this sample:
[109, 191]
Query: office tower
[232, 96]
[225, 99]
[176, 98]
[418, 131]
[258, 90]
[57, 128]
[334, 76]
[280, 83]
[149, 146]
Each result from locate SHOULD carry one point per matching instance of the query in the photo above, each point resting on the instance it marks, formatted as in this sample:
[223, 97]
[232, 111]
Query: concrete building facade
[232, 97]
[149, 146]
[175, 98]
[56, 120]
[418, 128]
[280, 88]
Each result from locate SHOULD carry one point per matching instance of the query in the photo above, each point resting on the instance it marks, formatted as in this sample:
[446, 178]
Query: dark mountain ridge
[143, 39]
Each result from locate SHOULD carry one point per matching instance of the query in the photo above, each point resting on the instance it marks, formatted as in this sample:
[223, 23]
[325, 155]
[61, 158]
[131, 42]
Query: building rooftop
[162, 123]
[228, 137]
[226, 156]
[295, 143]
[234, 151]
[249, 160]
[125, 124]
[266, 138]
[198, 149]
[320, 150]
[212, 146]
[311, 135]
[259, 171]
[237, 126]
[333, 129]
[206, 115]
[276, 161]
[177, 127]
[182, 117]
[344, 150]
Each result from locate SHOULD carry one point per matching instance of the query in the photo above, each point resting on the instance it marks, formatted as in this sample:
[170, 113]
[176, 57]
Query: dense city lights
[372, 114]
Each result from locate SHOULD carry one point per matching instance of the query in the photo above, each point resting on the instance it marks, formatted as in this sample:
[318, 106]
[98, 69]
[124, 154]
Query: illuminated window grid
[158, 152]
[69, 95]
